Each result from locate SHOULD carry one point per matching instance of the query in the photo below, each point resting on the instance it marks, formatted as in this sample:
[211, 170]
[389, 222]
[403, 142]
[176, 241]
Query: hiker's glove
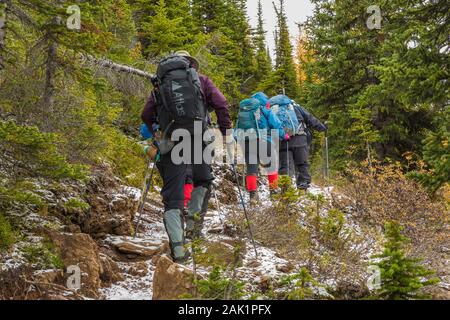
[152, 152]
[287, 137]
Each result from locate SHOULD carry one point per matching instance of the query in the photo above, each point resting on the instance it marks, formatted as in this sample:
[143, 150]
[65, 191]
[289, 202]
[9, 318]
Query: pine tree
[154, 18]
[402, 278]
[209, 15]
[284, 79]
[436, 154]
[162, 34]
[379, 92]
[263, 62]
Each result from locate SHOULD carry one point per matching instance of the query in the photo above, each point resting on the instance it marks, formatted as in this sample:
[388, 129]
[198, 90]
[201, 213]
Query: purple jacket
[212, 96]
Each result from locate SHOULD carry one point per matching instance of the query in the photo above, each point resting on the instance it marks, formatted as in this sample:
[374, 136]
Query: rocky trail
[116, 266]
[152, 242]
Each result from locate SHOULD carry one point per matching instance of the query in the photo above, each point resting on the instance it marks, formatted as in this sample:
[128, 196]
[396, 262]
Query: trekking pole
[287, 160]
[327, 159]
[218, 205]
[233, 166]
[148, 186]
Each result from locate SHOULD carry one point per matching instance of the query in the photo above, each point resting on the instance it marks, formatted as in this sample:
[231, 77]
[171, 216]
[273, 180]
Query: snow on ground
[133, 287]
[140, 287]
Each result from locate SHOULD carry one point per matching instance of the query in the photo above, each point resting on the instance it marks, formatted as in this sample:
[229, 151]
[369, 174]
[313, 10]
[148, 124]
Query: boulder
[285, 268]
[138, 247]
[80, 250]
[112, 208]
[172, 281]
[111, 272]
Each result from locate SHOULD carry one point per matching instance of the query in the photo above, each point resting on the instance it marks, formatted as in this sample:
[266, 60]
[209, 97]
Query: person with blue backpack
[297, 123]
[253, 132]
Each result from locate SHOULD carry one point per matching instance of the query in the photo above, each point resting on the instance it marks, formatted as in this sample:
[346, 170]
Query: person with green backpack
[253, 132]
[294, 153]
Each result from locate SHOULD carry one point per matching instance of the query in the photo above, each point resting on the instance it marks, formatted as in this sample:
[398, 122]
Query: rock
[253, 264]
[286, 268]
[138, 247]
[216, 229]
[48, 276]
[265, 284]
[222, 254]
[80, 250]
[139, 269]
[172, 281]
[112, 208]
[346, 290]
[110, 271]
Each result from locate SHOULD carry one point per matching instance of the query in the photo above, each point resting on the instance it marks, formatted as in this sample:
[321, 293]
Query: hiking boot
[254, 198]
[183, 260]
[303, 187]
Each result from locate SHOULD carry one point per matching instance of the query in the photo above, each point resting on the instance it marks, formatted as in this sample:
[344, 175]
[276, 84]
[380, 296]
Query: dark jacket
[213, 98]
[311, 122]
[307, 118]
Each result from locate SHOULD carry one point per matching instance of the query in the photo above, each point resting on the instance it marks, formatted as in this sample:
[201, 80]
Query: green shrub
[75, 204]
[7, 235]
[219, 287]
[25, 152]
[299, 286]
[44, 255]
[402, 278]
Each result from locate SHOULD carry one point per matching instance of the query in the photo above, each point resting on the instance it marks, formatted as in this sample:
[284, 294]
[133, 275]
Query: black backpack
[180, 95]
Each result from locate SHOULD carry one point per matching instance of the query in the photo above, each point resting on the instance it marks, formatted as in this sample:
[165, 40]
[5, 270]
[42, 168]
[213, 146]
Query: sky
[297, 12]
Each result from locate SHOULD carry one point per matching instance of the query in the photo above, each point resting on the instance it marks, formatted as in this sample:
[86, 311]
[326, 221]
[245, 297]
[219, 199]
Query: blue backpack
[284, 109]
[249, 115]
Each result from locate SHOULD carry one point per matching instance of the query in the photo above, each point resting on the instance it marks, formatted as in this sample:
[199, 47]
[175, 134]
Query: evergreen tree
[163, 26]
[402, 278]
[379, 92]
[436, 154]
[284, 78]
[162, 34]
[209, 15]
[263, 61]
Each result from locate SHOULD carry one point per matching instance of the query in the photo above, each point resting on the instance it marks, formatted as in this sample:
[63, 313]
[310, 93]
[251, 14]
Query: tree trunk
[50, 73]
[2, 31]
[51, 65]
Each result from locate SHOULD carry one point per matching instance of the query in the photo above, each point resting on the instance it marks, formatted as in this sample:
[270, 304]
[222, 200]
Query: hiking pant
[294, 156]
[254, 157]
[174, 177]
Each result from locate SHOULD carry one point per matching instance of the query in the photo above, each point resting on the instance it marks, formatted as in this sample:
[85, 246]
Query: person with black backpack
[297, 122]
[182, 98]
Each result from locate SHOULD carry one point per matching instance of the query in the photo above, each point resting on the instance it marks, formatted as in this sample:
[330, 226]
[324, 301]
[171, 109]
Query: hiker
[181, 98]
[189, 183]
[297, 122]
[255, 116]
